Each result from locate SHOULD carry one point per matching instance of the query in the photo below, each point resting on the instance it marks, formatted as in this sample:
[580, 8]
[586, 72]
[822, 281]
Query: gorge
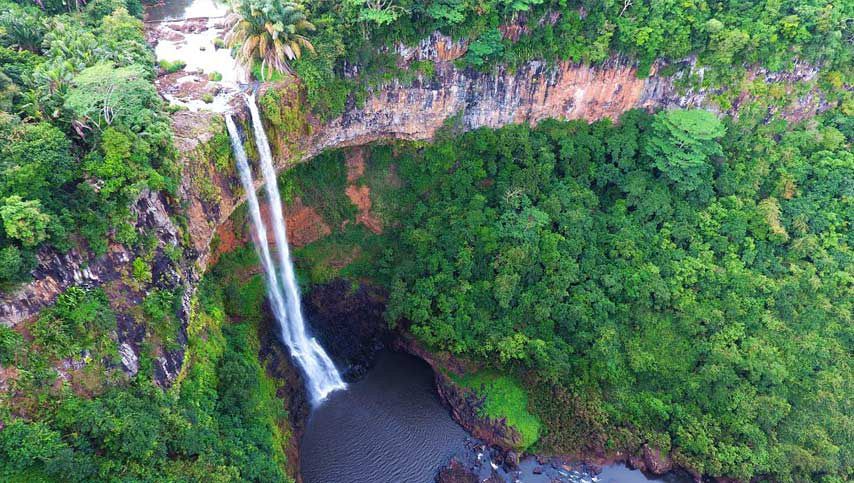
[395, 111]
[533, 251]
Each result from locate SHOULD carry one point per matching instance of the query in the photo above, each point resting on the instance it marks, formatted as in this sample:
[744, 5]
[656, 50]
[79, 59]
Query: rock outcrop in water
[531, 93]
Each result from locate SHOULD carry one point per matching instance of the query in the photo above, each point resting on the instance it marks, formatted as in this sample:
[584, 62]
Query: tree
[270, 32]
[23, 444]
[486, 46]
[451, 12]
[102, 95]
[10, 263]
[115, 167]
[24, 221]
[377, 12]
[521, 5]
[681, 144]
[35, 161]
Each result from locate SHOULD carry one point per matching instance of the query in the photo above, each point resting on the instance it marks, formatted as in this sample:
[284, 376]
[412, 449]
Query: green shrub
[10, 343]
[215, 76]
[487, 46]
[161, 310]
[170, 67]
[141, 270]
[322, 184]
[284, 111]
[78, 321]
[10, 264]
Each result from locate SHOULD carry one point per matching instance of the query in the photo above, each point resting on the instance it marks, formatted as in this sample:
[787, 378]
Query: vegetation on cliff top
[81, 129]
[725, 35]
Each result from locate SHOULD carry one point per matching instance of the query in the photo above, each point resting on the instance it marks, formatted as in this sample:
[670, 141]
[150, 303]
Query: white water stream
[320, 373]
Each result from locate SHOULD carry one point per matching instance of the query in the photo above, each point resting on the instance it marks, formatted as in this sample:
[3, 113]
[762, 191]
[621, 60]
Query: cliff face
[413, 111]
[472, 99]
[532, 93]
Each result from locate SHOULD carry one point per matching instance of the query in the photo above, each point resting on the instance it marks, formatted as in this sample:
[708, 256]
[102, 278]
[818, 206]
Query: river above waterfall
[392, 427]
[184, 9]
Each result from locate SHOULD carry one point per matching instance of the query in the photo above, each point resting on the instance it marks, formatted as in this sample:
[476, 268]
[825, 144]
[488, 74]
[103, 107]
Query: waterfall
[274, 292]
[320, 373]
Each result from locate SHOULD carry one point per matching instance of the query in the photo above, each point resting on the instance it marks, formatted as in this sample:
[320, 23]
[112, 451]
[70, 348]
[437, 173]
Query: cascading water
[321, 375]
[274, 291]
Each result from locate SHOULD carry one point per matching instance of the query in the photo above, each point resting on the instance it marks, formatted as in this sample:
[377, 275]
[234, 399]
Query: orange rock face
[361, 197]
[304, 224]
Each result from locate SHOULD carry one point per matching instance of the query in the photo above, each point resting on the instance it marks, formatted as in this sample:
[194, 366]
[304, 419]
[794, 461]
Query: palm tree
[269, 31]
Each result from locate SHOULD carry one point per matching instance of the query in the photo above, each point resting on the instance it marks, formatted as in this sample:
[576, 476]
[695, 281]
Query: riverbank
[500, 440]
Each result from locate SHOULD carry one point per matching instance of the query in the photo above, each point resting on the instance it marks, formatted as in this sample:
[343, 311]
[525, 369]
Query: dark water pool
[391, 427]
[388, 427]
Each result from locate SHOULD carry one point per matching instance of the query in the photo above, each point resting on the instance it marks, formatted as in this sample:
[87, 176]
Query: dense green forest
[672, 279]
[676, 278]
[82, 131]
[222, 422]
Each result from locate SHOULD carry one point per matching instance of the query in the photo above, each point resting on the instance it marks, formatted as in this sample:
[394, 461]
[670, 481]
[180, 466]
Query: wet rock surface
[349, 323]
[482, 463]
[652, 461]
[456, 472]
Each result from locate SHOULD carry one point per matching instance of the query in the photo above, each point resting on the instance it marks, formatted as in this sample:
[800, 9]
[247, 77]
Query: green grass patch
[504, 398]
